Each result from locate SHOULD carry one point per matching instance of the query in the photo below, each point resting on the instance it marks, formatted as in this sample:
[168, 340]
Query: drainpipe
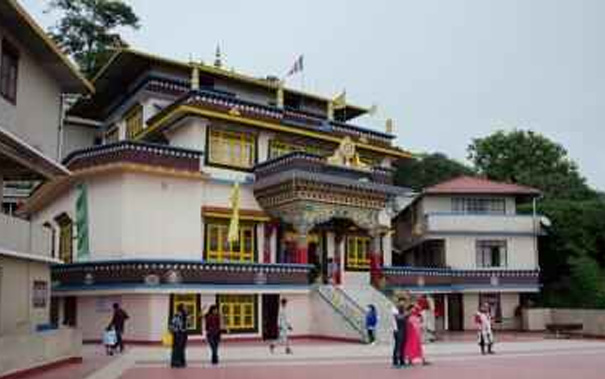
[62, 98]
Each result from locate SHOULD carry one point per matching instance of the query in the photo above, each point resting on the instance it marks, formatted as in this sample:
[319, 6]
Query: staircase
[350, 311]
[364, 295]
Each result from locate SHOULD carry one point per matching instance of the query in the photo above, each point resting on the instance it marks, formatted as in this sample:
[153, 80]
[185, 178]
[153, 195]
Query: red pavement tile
[587, 366]
[93, 359]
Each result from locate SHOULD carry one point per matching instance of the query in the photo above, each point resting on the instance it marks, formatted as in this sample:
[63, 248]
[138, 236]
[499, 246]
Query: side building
[144, 218]
[463, 242]
[34, 77]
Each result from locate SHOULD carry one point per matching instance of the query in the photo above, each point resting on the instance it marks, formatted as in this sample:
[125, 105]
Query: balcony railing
[419, 278]
[317, 165]
[480, 223]
[158, 273]
[21, 236]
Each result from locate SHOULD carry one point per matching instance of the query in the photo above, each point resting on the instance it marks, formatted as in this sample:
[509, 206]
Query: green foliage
[87, 29]
[572, 253]
[428, 170]
[531, 159]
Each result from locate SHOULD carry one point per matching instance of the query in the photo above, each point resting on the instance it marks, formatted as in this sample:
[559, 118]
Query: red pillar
[302, 254]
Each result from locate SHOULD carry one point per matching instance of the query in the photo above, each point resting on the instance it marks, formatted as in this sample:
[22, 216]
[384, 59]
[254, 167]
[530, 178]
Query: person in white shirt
[485, 334]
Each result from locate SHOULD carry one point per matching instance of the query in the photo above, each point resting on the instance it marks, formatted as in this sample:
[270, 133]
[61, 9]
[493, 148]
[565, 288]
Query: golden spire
[389, 126]
[218, 61]
[195, 76]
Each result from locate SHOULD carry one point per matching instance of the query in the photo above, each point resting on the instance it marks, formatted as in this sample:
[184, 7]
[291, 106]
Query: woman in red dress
[413, 352]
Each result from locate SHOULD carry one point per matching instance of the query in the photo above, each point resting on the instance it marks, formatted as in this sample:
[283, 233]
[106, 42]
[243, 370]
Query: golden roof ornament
[345, 155]
[218, 60]
[195, 76]
[389, 126]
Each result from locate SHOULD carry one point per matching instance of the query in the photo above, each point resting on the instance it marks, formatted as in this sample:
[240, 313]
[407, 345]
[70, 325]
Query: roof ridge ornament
[218, 61]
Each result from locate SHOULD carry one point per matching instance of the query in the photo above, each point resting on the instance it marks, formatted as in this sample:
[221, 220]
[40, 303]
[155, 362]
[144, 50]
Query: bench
[564, 329]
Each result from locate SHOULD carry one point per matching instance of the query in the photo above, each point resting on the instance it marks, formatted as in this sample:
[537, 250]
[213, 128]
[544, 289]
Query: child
[283, 327]
[110, 339]
[371, 321]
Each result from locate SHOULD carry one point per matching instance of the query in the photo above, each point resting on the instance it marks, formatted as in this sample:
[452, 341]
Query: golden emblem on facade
[346, 155]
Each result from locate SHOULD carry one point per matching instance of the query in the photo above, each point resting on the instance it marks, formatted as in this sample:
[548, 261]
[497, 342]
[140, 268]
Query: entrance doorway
[270, 310]
[70, 311]
[454, 312]
[54, 311]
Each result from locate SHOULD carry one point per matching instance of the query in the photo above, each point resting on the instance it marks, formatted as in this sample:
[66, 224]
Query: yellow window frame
[238, 312]
[192, 307]
[134, 121]
[231, 148]
[218, 248]
[358, 252]
[66, 234]
[112, 134]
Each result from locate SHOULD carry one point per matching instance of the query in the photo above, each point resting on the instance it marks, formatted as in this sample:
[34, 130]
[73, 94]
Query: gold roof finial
[195, 76]
[389, 126]
[218, 61]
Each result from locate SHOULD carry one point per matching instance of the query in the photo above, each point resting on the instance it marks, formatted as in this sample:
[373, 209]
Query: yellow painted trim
[184, 109]
[51, 44]
[241, 217]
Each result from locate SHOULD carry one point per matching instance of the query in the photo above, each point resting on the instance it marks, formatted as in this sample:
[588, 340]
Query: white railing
[452, 222]
[345, 306]
[22, 236]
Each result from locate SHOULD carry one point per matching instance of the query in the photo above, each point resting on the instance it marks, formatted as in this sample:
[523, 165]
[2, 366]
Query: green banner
[82, 221]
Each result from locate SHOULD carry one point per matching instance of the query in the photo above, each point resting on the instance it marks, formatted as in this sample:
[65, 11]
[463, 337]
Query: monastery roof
[18, 22]
[127, 65]
[479, 186]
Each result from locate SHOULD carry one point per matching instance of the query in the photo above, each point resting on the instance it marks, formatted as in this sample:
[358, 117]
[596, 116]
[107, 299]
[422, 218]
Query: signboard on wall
[40, 294]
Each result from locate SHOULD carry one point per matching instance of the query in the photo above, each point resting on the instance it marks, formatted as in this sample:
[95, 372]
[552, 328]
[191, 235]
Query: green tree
[86, 29]
[427, 170]
[531, 159]
[572, 253]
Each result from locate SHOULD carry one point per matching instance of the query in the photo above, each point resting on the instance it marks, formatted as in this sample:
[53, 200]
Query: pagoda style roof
[215, 106]
[470, 185]
[19, 23]
[127, 65]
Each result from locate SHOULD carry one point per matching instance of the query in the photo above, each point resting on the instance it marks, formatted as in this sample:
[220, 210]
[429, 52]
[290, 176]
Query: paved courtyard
[517, 357]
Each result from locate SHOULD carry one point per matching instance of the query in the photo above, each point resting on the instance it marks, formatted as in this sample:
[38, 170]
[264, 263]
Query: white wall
[77, 137]
[17, 313]
[460, 251]
[36, 117]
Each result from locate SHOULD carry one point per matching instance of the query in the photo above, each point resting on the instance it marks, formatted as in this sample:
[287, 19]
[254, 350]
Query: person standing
[413, 345]
[178, 327]
[283, 327]
[399, 335]
[117, 323]
[371, 322]
[213, 324]
[485, 335]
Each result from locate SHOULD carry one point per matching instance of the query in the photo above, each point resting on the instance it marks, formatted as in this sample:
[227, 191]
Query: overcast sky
[446, 71]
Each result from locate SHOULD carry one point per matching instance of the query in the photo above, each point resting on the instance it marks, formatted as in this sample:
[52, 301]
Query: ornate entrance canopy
[304, 190]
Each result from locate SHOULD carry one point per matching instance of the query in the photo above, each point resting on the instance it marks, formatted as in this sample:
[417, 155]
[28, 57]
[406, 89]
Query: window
[9, 69]
[65, 238]
[491, 254]
[218, 248]
[134, 121]
[278, 148]
[53, 236]
[358, 252]
[236, 149]
[493, 301]
[191, 303]
[479, 205]
[238, 312]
